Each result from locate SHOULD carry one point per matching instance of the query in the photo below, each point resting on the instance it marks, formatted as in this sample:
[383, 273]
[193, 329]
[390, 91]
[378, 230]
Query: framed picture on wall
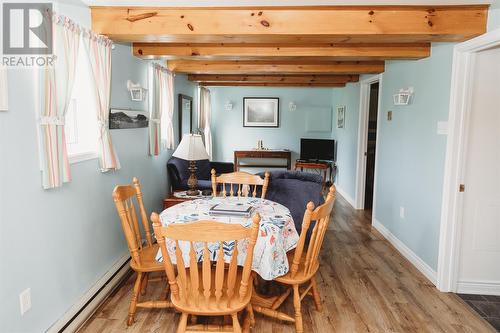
[261, 112]
[341, 116]
[127, 118]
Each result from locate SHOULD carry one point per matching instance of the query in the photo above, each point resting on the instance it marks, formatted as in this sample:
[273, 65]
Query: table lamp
[191, 149]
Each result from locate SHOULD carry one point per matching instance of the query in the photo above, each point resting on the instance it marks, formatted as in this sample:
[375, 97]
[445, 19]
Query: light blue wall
[494, 16]
[127, 67]
[347, 137]
[60, 242]
[227, 126]
[411, 154]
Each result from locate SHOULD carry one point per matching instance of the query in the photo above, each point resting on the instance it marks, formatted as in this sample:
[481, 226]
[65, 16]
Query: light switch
[389, 115]
[442, 127]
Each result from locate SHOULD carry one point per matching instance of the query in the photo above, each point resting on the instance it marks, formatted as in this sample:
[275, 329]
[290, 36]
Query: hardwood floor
[365, 286]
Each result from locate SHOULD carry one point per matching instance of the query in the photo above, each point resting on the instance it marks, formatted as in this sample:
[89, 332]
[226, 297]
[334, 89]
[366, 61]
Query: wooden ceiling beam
[275, 67]
[295, 79]
[341, 52]
[320, 24]
[270, 84]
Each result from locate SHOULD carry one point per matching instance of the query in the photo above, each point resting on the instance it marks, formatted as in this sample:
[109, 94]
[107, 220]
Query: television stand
[322, 166]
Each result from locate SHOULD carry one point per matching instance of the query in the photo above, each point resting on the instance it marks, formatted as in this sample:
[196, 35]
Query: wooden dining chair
[237, 181]
[304, 261]
[214, 289]
[142, 251]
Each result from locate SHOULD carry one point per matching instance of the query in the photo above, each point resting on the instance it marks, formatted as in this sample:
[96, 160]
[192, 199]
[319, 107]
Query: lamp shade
[191, 148]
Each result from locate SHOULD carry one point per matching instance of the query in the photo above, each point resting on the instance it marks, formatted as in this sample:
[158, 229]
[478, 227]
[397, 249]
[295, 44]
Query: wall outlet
[402, 212]
[25, 300]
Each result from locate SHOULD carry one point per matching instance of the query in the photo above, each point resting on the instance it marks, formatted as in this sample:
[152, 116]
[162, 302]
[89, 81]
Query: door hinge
[461, 188]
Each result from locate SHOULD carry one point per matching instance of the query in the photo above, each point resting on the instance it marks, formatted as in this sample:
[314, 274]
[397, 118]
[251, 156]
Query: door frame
[462, 80]
[364, 111]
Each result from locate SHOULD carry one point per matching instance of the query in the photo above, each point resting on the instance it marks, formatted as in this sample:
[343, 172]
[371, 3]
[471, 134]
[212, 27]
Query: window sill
[81, 157]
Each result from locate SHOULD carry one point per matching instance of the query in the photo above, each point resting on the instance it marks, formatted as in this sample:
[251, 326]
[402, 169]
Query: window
[81, 118]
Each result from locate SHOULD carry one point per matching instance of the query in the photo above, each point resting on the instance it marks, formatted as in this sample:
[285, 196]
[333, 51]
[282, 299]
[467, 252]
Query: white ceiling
[260, 3]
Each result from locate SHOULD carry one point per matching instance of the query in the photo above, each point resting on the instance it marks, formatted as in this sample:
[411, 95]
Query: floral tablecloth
[277, 233]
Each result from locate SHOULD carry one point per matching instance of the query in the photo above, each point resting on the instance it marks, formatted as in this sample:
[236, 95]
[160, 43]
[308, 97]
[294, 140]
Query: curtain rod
[162, 68]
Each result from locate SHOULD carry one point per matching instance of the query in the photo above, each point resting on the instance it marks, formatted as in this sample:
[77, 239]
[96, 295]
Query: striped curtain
[205, 118]
[161, 107]
[56, 87]
[168, 128]
[99, 52]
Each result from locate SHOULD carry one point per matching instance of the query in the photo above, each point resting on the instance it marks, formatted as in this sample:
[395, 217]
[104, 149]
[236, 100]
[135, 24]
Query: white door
[479, 269]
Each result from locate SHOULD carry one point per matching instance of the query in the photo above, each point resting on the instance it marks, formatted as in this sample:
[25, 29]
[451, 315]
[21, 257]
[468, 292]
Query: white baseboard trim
[479, 287]
[78, 314]
[415, 260]
[346, 196]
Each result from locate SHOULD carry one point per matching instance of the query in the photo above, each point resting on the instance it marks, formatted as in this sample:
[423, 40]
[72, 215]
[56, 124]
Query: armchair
[178, 173]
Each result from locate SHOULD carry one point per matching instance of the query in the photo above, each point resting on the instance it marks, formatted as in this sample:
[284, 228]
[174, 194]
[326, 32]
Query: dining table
[277, 233]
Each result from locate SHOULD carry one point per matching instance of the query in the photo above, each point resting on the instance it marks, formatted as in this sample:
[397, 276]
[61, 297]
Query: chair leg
[133, 300]
[298, 315]
[182, 323]
[315, 292]
[251, 315]
[144, 283]
[236, 323]
[249, 320]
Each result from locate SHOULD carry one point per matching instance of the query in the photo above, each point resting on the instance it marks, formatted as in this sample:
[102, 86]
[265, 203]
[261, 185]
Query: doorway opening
[369, 105]
[371, 145]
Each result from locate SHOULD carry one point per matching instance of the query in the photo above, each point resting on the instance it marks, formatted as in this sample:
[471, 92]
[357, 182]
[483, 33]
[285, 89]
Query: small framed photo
[126, 118]
[341, 116]
[260, 112]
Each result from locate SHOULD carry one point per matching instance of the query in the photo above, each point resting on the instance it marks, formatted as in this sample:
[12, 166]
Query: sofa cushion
[204, 169]
[294, 190]
[299, 175]
[182, 167]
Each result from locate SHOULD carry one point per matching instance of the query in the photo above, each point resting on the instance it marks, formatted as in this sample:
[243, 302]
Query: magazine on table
[234, 209]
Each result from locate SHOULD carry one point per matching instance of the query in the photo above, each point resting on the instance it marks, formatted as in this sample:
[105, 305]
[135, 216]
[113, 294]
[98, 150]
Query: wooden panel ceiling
[270, 84]
[274, 78]
[275, 67]
[341, 52]
[286, 41]
[323, 24]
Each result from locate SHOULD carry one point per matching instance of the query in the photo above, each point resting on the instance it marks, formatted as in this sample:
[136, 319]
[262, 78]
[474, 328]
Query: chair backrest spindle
[123, 197]
[211, 235]
[243, 181]
[322, 217]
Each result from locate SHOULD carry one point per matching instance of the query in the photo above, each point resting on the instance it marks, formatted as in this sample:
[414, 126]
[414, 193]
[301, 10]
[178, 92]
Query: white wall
[60, 242]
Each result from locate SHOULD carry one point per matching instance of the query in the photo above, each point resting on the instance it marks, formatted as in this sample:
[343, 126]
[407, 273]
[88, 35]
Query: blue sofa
[178, 172]
[294, 189]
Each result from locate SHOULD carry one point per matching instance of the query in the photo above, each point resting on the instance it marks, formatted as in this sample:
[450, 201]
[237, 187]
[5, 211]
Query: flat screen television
[317, 149]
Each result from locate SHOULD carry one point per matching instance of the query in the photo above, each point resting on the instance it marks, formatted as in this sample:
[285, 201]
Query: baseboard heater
[79, 313]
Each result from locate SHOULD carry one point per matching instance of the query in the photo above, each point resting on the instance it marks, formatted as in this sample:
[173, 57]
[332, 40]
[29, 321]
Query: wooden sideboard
[263, 154]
